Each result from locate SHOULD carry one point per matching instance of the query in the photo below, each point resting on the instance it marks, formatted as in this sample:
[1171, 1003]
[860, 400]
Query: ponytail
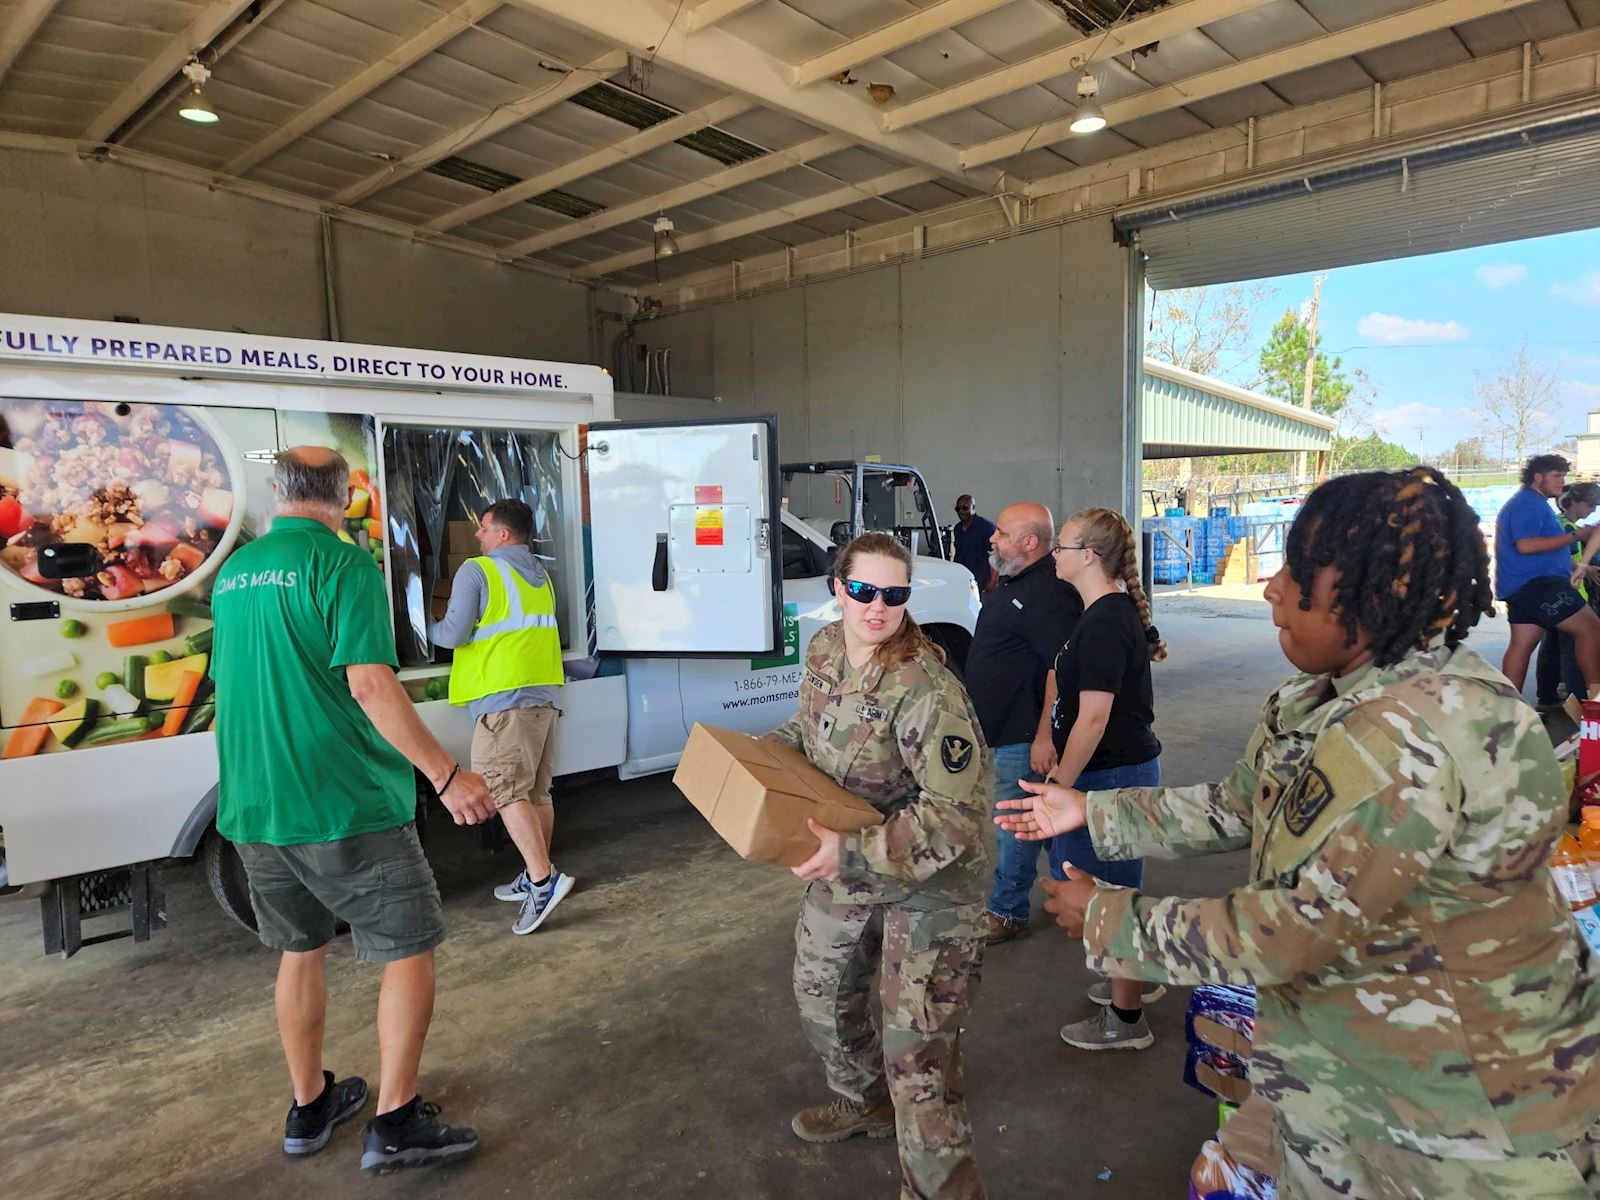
[1111, 537]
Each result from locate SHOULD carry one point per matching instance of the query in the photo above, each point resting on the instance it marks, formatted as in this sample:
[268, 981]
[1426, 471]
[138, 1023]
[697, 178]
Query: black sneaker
[420, 1140]
[307, 1130]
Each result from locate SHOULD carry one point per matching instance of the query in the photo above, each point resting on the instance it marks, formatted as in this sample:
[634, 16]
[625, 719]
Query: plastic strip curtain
[439, 475]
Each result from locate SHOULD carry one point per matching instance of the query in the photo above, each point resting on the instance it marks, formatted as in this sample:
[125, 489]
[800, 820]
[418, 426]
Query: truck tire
[225, 875]
[955, 642]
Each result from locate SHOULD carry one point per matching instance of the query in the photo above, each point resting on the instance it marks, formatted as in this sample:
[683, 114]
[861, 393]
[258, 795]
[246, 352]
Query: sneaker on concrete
[307, 1128]
[516, 891]
[998, 930]
[539, 903]
[1100, 992]
[841, 1118]
[420, 1140]
[1107, 1031]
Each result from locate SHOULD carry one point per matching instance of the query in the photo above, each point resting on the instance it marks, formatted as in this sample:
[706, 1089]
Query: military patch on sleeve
[1307, 798]
[825, 725]
[955, 752]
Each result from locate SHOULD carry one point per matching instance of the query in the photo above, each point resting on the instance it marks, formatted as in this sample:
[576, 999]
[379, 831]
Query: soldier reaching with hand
[899, 904]
[1428, 1017]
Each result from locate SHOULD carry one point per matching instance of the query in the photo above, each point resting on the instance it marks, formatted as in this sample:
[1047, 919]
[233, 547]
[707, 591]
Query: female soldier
[1428, 1018]
[1101, 727]
[880, 715]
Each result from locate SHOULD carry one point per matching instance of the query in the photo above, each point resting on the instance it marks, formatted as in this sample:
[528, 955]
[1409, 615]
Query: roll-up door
[1543, 179]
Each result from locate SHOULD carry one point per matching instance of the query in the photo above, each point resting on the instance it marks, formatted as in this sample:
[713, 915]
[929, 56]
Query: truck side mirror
[839, 533]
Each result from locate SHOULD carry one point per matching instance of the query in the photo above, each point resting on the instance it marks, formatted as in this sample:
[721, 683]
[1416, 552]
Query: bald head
[311, 477]
[1023, 534]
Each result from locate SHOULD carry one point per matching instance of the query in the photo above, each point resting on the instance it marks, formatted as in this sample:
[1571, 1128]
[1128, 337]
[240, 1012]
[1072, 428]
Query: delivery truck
[134, 459]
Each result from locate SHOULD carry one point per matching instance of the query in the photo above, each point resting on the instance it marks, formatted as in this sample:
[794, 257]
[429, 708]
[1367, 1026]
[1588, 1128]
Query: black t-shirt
[1108, 653]
[1023, 623]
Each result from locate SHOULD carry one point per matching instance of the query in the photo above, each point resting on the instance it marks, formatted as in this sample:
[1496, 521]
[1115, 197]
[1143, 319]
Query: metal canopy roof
[1188, 415]
[557, 130]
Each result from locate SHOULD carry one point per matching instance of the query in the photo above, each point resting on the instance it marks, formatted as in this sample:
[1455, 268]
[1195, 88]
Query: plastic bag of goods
[1217, 1176]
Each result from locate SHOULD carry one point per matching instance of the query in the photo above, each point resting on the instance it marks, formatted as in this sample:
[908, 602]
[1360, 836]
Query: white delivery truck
[134, 458]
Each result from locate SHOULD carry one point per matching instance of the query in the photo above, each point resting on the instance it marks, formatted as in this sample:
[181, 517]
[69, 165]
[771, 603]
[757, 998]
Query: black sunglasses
[866, 593]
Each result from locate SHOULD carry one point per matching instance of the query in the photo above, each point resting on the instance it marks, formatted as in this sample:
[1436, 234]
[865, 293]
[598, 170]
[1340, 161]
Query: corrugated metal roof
[1184, 414]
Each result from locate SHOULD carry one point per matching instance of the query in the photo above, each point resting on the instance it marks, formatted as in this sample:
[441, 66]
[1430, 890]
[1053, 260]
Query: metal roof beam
[1356, 40]
[798, 211]
[1074, 56]
[720, 181]
[480, 129]
[414, 48]
[897, 34]
[665, 133]
[707, 13]
[158, 72]
[717, 57]
[24, 23]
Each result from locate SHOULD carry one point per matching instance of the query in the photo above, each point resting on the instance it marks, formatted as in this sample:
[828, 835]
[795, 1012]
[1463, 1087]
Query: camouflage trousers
[1322, 1170]
[925, 964]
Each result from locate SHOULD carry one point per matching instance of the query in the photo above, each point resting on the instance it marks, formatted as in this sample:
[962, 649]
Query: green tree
[1283, 369]
[1371, 453]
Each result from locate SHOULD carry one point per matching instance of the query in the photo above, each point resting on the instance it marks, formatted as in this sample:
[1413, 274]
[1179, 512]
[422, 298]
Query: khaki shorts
[512, 751]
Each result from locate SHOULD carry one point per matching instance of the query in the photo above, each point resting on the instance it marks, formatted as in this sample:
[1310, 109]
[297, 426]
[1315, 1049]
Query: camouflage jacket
[907, 741]
[1420, 981]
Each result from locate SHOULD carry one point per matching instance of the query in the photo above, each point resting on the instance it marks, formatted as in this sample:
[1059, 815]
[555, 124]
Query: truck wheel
[228, 882]
[955, 642]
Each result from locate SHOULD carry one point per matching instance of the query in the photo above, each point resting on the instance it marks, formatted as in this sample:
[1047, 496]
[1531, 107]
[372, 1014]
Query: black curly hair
[1411, 560]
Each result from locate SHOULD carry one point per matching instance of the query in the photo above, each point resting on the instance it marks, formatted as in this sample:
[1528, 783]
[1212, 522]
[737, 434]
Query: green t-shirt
[300, 760]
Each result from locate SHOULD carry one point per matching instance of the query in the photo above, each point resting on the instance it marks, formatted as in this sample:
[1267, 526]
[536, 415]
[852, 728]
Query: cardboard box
[460, 537]
[757, 794]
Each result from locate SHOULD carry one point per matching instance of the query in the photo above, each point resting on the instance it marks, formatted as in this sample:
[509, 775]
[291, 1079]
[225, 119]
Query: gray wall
[100, 240]
[998, 370]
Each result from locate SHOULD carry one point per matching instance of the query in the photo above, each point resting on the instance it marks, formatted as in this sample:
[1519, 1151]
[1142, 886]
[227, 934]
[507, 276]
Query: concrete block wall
[997, 369]
[99, 240]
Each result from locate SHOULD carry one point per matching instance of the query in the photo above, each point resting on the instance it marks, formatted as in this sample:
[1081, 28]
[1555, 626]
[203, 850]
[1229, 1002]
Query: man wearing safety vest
[501, 622]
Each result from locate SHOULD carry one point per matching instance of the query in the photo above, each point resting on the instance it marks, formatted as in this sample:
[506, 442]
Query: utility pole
[1311, 372]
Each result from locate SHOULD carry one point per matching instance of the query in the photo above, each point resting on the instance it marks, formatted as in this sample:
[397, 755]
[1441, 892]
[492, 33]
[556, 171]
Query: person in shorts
[507, 671]
[1533, 574]
[316, 740]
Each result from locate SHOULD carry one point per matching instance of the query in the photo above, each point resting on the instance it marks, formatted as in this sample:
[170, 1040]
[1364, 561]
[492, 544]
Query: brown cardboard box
[460, 537]
[757, 794]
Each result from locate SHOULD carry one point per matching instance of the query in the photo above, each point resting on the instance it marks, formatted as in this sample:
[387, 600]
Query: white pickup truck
[134, 458]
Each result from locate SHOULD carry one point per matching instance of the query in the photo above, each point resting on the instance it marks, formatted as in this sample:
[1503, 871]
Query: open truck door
[683, 523]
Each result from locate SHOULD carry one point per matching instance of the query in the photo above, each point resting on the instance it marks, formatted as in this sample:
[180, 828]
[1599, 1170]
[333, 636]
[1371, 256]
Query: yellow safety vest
[516, 643]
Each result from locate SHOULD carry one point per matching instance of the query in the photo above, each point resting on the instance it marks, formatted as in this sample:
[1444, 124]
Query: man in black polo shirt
[1024, 622]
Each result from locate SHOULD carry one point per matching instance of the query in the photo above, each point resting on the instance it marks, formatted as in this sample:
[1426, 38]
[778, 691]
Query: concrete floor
[643, 1043]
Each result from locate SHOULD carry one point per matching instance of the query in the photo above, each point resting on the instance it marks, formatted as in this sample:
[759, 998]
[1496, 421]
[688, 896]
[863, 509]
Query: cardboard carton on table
[758, 794]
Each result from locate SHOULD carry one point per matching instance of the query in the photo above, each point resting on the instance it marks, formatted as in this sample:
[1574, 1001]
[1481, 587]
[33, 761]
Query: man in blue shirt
[1533, 574]
[972, 542]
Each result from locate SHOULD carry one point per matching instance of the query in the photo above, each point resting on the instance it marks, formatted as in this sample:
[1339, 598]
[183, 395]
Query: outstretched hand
[1052, 809]
[1069, 898]
[824, 864]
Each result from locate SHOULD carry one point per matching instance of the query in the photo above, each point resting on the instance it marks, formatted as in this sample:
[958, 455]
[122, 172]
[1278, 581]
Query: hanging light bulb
[666, 244]
[195, 107]
[1089, 118]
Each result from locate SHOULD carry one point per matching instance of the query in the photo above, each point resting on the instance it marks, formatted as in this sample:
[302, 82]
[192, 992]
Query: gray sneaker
[1107, 1031]
[538, 904]
[1100, 992]
[516, 891]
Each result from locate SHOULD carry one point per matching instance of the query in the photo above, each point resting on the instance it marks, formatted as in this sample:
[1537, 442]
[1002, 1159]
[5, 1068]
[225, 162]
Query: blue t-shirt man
[972, 541]
[1527, 515]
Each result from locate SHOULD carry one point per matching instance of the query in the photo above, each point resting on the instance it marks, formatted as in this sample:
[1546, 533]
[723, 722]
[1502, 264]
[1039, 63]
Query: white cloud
[1402, 422]
[1587, 390]
[1404, 331]
[1586, 291]
[1499, 275]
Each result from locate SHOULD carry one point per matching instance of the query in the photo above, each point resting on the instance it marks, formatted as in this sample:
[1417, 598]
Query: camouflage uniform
[1429, 1017]
[909, 899]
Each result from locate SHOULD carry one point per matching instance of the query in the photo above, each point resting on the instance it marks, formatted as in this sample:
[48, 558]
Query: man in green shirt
[316, 739]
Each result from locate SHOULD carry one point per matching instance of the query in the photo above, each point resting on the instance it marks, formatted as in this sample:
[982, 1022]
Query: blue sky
[1422, 327]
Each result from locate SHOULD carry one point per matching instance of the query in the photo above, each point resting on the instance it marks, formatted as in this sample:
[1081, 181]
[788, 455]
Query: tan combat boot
[841, 1118]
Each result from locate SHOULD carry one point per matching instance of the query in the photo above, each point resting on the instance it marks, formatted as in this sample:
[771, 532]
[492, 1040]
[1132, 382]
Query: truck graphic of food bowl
[151, 489]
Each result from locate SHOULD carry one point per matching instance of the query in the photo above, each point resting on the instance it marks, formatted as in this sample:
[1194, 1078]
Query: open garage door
[1499, 187]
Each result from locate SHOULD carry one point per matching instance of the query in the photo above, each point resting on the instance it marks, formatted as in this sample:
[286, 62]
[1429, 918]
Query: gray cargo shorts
[380, 884]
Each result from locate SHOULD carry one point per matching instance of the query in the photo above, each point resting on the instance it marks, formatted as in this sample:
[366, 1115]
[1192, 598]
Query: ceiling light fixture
[195, 107]
[1089, 118]
[665, 243]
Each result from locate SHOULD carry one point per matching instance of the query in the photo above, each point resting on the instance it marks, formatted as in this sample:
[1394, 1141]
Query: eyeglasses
[1058, 548]
[866, 593]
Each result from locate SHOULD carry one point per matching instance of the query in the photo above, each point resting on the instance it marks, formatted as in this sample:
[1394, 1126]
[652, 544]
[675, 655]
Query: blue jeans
[1016, 863]
[1077, 848]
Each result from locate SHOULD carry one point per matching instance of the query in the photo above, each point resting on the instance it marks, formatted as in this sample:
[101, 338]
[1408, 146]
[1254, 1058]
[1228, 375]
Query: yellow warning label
[708, 527]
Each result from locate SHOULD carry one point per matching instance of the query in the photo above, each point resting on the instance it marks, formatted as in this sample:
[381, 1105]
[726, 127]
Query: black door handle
[658, 574]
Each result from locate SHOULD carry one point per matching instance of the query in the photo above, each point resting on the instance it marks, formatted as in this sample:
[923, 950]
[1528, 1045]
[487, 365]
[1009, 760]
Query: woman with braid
[1099, 707]
[1428, 1017]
